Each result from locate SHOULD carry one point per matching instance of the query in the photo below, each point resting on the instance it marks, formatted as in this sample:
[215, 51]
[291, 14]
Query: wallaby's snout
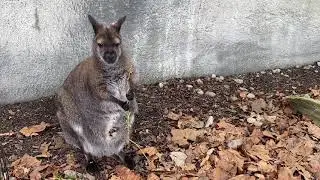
[110, 56]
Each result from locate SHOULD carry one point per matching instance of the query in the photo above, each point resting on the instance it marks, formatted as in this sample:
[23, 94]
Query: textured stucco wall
[42, 40]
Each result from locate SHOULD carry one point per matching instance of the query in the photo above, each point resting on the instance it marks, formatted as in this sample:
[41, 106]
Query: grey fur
[90, 120]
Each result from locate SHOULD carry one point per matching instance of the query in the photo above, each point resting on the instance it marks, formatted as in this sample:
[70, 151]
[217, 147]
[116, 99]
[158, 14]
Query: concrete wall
[42, 40]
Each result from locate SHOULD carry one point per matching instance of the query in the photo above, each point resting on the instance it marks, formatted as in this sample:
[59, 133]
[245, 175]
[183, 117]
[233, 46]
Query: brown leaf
[124, 173]
[181, 136]
[174, 116]
[265, 167]
[230, 128]
[243, 177]
[285, 174]
[44, 150]
[230, 157]
[22, 166]
[315, 92]
[148, 150]
[153, 176]
[259, 151]
[190, 122]
[35, 174]
[258, 105]
[243, 94]
[34, 130]
[218, 174]
[314, 130]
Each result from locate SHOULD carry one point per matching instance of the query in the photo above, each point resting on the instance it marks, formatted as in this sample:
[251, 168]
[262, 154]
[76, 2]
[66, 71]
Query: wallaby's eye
[100, 44]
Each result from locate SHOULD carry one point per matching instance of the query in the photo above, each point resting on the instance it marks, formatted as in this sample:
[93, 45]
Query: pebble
[189, 87]
[209, 121]
[251, 96]
[199, 91]
[239, 81]
[308, 67]
[262, 72]
[233, 98]
[318, 63]
[220, 78]
[298, 66]
[234, 144]
[243, 89]
[276, 71]
[226, 86]
[316, 71]
[210, 93]
[181, 81]
[161, 85]
[213, 76]
[199, 82]
[251, 88]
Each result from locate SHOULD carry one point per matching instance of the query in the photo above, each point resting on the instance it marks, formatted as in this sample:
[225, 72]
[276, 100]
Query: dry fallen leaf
[314, 130]
[174, 116]
[315, 92]
[44, 150]
[124, 173]
[243, 177]
[266, 167]
[258, 105]
[153, 176]
[148, 150]
[259, 151]
[181, 136]
[179, 158]
[34, 130]
[285, 174]
[190, 122]
[22, 166]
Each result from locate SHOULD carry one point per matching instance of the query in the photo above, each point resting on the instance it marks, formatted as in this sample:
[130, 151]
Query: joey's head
[106, 45]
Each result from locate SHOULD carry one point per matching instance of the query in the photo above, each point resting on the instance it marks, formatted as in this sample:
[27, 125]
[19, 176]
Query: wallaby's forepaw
[130, 95]
[126, 106]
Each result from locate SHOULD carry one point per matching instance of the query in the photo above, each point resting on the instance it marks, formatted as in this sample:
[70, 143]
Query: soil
[152, 127]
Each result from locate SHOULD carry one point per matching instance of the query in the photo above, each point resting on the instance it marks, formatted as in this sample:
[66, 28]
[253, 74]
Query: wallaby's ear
[94, 23]
[117, 25]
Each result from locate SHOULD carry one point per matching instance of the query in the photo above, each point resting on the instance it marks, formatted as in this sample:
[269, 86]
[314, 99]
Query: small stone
[307, 67]
[210, 93]
[239, 81]
[226, 86]
[213, 76]
[276, 70]
[161, 85]
[199, 91]
[189, 87]
[220, 78]
[298, 66]
[251, 88]
[199, 82]
[181, 81]
[262, 72]
[233, 98]
[235, 144]
[257, 75]
[251, 120]
[293, 87]
[209, 121]
[318, 63]
[316, 71]
[243, 89]
[251, 96]
[88, 176]
[72, 174]
[11, 112]
[286, 75]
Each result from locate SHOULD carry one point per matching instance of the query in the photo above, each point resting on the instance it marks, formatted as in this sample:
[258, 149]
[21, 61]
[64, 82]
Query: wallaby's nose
[110, 57]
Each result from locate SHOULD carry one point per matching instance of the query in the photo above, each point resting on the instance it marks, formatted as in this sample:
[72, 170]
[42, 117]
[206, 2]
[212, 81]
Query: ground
[254, 132]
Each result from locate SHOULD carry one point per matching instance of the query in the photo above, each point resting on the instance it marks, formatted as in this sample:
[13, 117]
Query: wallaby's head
[107, 41]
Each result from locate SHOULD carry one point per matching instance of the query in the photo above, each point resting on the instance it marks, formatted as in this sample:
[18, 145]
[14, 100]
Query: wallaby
[96, 103]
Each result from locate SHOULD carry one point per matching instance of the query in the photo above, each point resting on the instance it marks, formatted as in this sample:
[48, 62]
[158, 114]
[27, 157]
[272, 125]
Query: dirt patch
[152, 127]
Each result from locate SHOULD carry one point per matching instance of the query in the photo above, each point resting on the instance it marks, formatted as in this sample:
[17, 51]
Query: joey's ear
[117, 25]
[94, 23]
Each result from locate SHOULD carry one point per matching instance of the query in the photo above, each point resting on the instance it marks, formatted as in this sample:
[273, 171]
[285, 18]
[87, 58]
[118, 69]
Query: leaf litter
[268, 142]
